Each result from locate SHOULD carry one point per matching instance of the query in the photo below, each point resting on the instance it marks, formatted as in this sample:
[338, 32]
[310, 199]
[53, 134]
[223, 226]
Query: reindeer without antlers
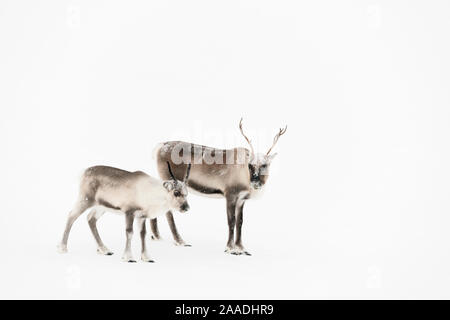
[236, 174]
[133, 194]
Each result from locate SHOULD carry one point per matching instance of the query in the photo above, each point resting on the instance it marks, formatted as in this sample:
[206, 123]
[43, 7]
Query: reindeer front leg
[129, 219]
[231, 216]
[154, 228]
[239, 219]
[143, 231]
[173, 228]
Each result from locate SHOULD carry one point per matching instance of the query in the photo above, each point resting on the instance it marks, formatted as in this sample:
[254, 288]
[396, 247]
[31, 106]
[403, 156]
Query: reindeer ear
[168, 185]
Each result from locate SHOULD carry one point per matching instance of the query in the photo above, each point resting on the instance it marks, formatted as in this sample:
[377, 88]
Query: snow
[357, 200]
[200, 271]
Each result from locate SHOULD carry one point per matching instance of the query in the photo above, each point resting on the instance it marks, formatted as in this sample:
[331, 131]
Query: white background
[357, 203]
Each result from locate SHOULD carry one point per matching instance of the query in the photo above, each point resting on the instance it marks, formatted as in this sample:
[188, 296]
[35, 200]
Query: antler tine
[170, 171]
[275, 139]
[188, 171]
[248, 140]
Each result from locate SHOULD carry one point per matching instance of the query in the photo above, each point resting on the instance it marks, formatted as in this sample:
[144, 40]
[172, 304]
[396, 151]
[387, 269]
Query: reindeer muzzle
[184, 207]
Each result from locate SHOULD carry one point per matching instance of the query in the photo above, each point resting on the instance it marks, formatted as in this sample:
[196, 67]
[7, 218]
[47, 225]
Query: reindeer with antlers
[235, 174]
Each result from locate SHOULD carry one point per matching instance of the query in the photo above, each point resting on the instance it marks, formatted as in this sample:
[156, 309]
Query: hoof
[104, 251]
[182, 244]
[156, 238]
[243, 252]
[237, 251]
[128, 259]
[146, 258]
[230, 250]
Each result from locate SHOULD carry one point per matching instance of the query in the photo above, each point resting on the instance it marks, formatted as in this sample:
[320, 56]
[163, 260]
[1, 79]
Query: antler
[170, 171]
[248, 140]
[187, 172]
[275, 140]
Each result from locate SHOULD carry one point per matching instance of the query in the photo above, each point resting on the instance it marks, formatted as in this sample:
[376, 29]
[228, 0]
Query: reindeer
[133, 194]
[235, 174]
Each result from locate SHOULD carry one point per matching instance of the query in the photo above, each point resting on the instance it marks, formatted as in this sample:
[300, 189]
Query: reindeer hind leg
[82, 205]
[92, 219]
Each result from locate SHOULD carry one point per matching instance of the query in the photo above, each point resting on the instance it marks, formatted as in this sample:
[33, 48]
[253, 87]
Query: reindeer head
[177, 191]
[259, 163]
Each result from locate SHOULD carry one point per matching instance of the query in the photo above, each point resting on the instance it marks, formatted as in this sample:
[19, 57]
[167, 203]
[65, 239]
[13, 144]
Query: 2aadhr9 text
[225, 309]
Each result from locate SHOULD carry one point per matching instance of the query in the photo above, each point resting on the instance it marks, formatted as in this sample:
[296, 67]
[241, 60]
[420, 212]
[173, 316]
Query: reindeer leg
[231, 215]
[127, 254]
[143, 231]
[92, 218]
[176, 236]
[154, 227]
[82, 204]
[239, 219]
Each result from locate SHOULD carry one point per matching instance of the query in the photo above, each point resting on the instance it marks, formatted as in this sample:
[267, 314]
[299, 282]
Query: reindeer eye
[177, 193]
[264, 166]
